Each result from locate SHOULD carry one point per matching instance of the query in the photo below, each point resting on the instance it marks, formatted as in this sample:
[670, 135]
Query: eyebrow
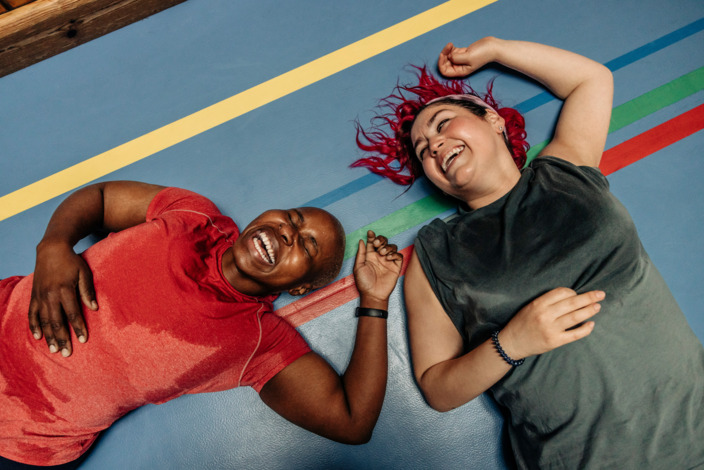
[427, 126]
[301, 221]
[300, 215]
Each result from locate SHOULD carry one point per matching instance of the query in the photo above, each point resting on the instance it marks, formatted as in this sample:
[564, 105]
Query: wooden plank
[17, 3]
[44, 28]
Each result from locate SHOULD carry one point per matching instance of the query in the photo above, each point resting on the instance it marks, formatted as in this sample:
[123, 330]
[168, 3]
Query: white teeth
[449, 156]
[269, 249]
[267, 256]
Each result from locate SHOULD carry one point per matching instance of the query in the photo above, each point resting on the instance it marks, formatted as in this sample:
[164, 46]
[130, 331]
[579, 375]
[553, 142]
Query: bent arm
[345, 408]
[447, 377]
[110, 206]
[586, 88]
[61, 277]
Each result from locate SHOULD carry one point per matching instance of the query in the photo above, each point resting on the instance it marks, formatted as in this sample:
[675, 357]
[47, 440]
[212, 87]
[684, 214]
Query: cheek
[433, 173]
[297, 268]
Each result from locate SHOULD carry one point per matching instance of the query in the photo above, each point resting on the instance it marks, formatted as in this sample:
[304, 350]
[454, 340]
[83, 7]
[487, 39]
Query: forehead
[428, 113]
[428, 116]
[320, 222]
[327, 232]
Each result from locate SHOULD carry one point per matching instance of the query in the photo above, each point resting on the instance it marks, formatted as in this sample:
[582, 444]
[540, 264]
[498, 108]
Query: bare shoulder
[433, 336]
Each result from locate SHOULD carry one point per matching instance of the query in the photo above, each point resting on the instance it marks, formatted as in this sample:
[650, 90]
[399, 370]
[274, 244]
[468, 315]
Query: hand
[550, 321]
[462, 61]
[376, 268]
[60, 277]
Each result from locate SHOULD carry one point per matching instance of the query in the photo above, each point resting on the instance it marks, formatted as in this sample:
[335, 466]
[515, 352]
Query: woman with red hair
[503, 297]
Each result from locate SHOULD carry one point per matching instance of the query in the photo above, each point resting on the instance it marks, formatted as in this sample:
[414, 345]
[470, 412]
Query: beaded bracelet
[371, 312]
[495, 340]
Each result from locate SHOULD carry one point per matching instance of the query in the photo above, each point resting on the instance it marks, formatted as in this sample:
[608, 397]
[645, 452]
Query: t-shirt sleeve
[582, 174]
[169, 199]
[280, 346]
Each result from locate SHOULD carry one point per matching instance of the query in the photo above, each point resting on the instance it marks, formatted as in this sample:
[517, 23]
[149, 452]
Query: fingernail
[65, 352]
[94, 305]
[81, 339]
[37, 336]
[601, 294]
[53, 348]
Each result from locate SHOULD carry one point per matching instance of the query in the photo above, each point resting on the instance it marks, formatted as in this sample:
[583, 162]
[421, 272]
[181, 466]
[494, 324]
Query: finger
[361, 257]
[443, 57]
[555, 296]
[580, 332]
[34, 325]
[396, 258]
[55, 329]
[371, 236]
[47, 330]
[571, 319]
[576, 302]
[385, 250]
[86, 289]
[379, 242]
[74, 315]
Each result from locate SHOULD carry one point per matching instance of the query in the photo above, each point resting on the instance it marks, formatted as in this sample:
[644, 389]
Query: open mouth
[264, 248]
[450, 157]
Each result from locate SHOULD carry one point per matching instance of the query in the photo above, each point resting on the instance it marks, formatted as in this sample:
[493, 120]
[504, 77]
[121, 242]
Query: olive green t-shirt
[631, 394]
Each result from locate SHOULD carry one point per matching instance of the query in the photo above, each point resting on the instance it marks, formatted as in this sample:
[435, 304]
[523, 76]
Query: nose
[287, 234]
[436, 144]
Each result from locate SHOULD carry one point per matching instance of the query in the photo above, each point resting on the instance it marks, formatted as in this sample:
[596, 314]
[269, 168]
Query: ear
[497, 122]
[300, 290]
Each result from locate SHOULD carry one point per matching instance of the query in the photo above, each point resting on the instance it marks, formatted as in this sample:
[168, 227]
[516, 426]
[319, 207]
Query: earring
[501, 128]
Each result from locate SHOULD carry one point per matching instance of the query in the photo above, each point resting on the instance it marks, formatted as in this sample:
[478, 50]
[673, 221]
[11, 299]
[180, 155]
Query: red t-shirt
[168, 323]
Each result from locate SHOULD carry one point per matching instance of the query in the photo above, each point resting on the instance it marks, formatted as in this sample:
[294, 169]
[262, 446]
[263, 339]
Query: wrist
[368, 301]
[508, 344]
[371, 312]
[49, 243]
[511, 360]
[497, 47]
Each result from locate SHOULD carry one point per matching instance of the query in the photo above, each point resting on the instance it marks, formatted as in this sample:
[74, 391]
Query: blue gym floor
[252, 103]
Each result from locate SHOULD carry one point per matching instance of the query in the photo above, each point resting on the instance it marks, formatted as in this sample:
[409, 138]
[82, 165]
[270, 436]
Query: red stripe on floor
[652, 140]
[342, 291]
[328, 298]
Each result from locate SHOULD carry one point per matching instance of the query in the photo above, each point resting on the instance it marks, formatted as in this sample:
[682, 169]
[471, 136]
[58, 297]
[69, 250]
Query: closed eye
[441, 124]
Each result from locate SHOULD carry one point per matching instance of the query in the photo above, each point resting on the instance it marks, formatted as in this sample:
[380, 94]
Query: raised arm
[60, 275]
[345, 408]
[585, 86]
[449, 377]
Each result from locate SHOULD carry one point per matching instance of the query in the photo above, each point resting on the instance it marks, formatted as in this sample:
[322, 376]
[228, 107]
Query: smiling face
[293, 250]
[463, 154]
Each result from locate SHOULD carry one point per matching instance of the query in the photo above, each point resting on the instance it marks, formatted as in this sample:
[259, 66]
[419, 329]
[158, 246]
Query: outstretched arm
[345, 408]
[61, 277]
[448, 376]
[585, 86]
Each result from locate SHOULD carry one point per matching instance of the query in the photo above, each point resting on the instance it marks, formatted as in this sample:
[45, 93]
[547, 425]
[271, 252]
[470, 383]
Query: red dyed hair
[388, 140]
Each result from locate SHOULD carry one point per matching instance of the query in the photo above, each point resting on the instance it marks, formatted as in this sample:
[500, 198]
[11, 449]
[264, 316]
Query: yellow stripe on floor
[241, 103]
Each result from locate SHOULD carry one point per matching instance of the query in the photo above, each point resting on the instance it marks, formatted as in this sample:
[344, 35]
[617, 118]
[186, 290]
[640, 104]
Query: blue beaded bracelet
[495, 340]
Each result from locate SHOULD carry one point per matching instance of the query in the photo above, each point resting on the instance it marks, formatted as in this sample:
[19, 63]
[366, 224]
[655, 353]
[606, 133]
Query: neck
[233, 276]
[496, 191]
